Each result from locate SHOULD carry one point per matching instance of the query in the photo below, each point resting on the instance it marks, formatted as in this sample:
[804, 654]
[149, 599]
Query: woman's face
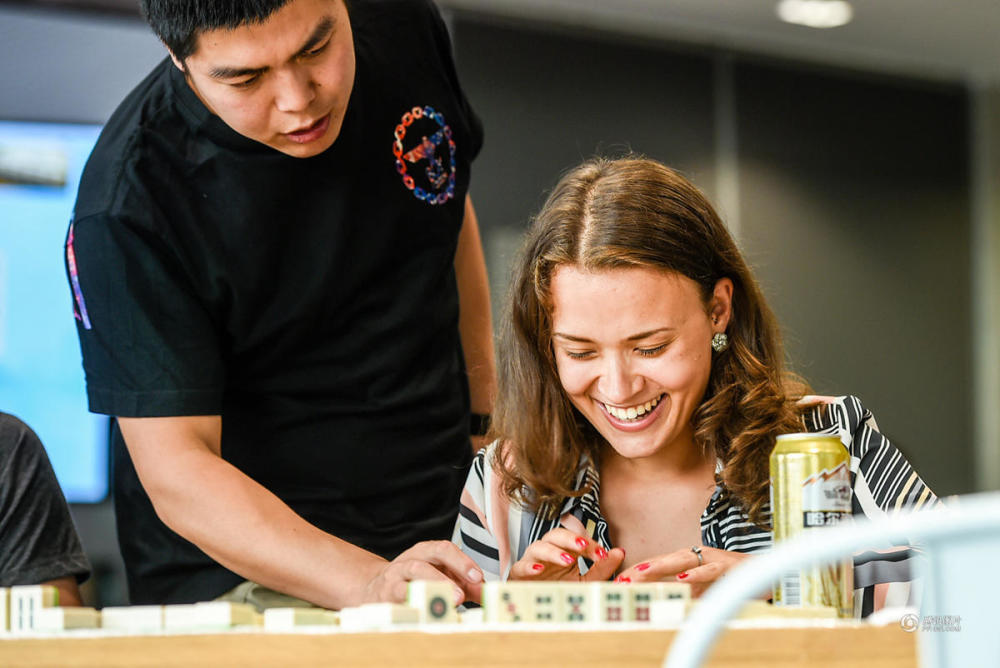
[633, 352]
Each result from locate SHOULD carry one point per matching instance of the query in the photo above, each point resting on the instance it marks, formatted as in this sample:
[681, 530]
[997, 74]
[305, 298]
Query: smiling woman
[631, 257]
[652, 378]
[642, 389]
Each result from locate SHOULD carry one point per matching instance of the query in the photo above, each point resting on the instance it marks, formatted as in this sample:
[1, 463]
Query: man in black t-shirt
[281, 296]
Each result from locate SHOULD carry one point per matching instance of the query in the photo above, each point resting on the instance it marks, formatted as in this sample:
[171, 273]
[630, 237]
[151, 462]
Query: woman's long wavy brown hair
[635, 212]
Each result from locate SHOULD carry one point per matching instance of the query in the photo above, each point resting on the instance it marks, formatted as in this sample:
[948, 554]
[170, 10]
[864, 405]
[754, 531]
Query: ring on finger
[697, 552]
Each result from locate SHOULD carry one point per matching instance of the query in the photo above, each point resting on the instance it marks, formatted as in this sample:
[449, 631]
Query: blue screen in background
[41, 373]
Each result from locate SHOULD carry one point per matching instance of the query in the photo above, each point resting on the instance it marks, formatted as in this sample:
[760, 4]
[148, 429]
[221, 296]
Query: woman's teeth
[632, 412]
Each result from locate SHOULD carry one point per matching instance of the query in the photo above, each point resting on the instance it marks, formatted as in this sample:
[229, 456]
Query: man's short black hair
[179, 22]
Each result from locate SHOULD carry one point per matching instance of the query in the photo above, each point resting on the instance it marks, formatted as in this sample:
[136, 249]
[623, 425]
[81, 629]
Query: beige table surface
[875, 647]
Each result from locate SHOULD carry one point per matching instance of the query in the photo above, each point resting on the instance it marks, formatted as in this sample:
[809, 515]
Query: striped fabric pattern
[495, 531]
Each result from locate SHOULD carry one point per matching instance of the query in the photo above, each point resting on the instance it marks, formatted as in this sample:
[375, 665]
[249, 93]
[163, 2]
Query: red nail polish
[537, 567]
[601, 553]
[681, 576]
[581, 542]
[623, 579]
[642, 567]
[566, 558]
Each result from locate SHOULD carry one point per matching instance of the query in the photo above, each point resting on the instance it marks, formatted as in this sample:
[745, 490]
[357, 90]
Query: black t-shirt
[38, 541]
[311, 302]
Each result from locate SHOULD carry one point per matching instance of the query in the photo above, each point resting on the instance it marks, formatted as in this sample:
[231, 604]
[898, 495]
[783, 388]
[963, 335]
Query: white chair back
[962, 542]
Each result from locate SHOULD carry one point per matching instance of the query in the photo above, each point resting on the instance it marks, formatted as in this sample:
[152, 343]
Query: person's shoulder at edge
[848, 418]
[27, 476]
[12, 429]
[843, 413]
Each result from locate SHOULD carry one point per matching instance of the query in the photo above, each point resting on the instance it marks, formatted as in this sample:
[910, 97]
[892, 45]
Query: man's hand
[430, 560]
[69, 591]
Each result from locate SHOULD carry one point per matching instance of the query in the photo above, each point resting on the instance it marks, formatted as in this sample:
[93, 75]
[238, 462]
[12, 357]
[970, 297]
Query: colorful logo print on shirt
[425, 155]
[79, 306]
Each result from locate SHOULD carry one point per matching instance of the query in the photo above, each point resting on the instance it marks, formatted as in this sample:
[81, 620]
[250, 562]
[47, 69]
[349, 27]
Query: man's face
[284, 82]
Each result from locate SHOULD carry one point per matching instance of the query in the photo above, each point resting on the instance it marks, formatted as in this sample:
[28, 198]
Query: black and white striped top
[495, 531]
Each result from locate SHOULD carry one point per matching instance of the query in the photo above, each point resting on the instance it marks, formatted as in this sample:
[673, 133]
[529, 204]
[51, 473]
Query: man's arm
[249, 530]
[475, 322]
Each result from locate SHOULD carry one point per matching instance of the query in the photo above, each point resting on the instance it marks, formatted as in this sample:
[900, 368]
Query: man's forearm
[247, 529]
[475, 320]
[237, 521]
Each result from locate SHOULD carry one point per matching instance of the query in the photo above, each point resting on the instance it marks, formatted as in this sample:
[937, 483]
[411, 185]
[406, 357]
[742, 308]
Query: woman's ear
[721, 305]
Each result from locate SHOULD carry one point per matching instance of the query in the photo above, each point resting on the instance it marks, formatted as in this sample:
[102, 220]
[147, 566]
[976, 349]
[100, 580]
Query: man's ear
[177, 61]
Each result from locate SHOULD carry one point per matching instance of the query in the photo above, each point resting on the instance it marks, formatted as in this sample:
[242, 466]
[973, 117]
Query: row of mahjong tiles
[35, 609]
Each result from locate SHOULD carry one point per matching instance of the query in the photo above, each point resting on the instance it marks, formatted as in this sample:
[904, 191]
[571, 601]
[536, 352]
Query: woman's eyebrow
[634, 337]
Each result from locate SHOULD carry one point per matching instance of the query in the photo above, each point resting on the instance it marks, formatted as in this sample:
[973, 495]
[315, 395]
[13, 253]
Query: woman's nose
[618, 383]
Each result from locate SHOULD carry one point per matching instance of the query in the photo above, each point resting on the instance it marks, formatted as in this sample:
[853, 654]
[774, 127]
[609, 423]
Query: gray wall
[70, 67]
[855, 208]
[985, 133]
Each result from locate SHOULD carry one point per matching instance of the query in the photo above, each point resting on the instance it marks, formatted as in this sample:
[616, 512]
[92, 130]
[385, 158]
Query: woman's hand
[685, 566]
[554, 557]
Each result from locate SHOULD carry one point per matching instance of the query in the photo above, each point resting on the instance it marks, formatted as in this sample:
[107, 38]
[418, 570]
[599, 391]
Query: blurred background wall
[863, 185]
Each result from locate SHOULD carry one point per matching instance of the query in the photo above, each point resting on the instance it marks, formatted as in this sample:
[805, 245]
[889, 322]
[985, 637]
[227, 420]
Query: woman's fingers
[659, 568]
[703, 577]
[704, 574]
[684, 566]
[556, 556]
[604, 568]
[553, 556]
[543, 559]
[576, 545]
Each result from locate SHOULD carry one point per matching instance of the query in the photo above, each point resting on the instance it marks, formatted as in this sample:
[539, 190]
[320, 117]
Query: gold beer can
[810, 491]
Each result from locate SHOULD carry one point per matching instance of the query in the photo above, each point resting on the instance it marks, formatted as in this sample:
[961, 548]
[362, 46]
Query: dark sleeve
[443, 40]
[150, 347]
[38, 541]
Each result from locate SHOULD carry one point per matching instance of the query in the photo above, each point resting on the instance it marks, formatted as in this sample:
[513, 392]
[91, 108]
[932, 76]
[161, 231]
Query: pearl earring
[720, 342]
